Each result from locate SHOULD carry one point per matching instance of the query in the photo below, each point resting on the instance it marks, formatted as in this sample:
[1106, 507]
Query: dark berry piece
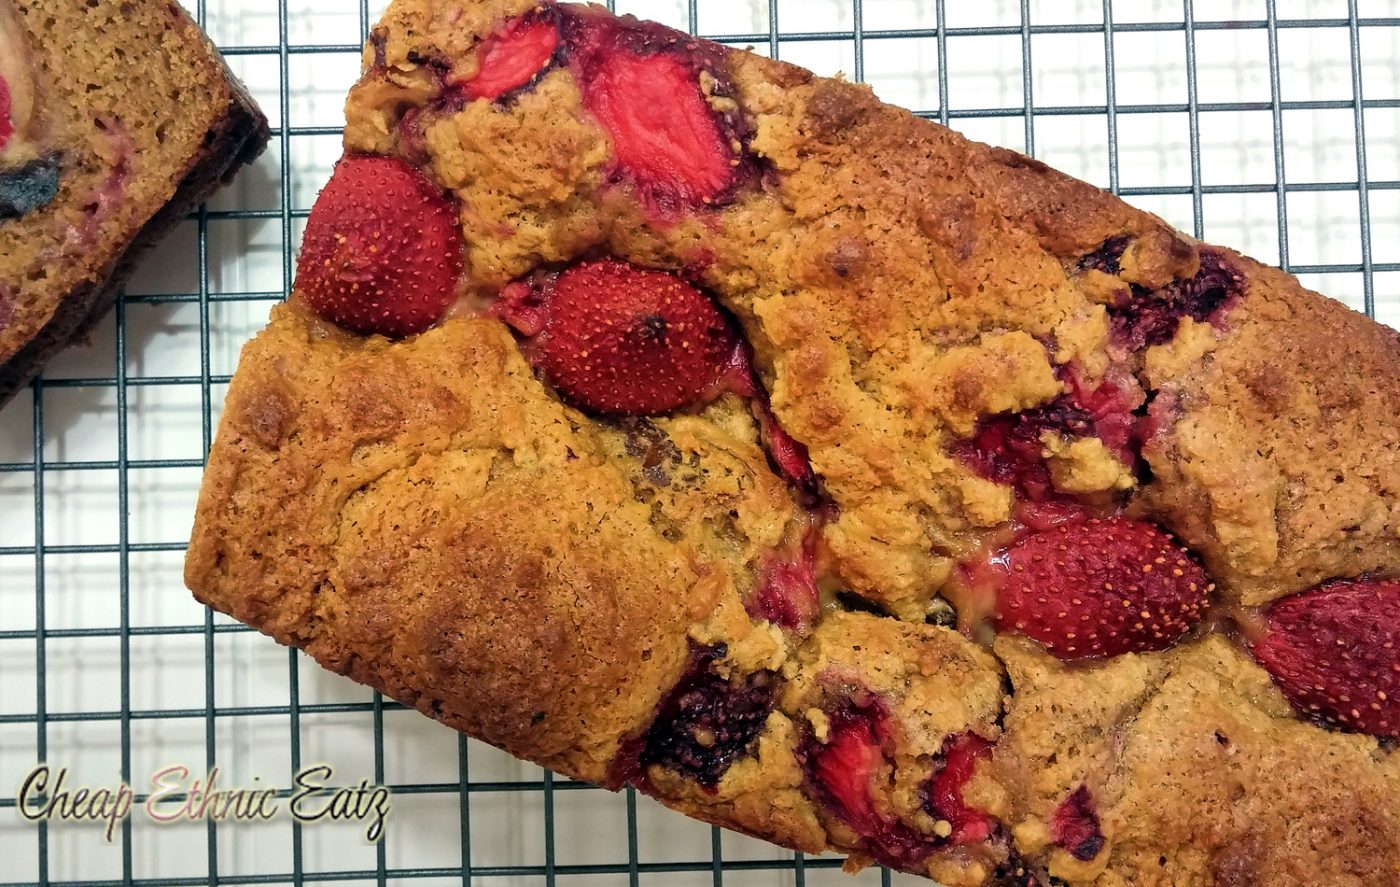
[1008, 448]
[709, 721]
[28, 187]
[1146, 318]
[1016, 872]
[1075, 825]
[1107, 258]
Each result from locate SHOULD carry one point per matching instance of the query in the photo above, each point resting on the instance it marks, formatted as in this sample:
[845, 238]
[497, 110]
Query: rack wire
[1231, 119]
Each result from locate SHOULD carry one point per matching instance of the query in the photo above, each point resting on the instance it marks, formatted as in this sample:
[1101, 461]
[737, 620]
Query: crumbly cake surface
[1200, 771]
[136, 117]
[431, 517]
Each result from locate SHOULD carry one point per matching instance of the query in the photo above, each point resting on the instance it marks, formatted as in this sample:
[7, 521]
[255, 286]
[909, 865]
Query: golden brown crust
[182, 161]
[371, 501]
[428, 519]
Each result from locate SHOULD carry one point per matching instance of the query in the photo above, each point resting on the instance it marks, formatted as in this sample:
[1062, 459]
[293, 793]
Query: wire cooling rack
[1273, 127]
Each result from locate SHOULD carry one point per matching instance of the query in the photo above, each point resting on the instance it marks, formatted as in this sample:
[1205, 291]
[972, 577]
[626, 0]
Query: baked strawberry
[967, 825]
[787, 588]
[621, 340]
[382, 252]
[1100, 588]
[845, 772]
[1075, 825]
[642, 83]
[513, 56]
[18, 102]
[789, 455]
[1334, 651]
[1008, 448]
[7, 127]
[847, 765]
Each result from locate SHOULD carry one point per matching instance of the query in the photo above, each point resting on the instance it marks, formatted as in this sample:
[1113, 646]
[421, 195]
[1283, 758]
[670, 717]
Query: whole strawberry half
[382, 252]
[1100, 588]
[616, 339]
[1334, 651]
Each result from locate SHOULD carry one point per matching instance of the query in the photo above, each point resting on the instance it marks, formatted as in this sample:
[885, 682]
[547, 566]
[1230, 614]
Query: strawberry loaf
[675, 418]
[117, 118]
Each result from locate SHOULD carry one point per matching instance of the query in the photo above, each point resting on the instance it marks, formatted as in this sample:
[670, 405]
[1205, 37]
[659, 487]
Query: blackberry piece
[28, 187]
[1107, 258]
[709, 721]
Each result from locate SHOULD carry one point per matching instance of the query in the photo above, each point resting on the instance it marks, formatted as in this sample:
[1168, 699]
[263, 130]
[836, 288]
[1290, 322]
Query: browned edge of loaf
[235, 139]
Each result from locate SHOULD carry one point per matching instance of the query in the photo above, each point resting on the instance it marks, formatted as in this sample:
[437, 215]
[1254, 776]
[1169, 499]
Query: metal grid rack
[1231, 119]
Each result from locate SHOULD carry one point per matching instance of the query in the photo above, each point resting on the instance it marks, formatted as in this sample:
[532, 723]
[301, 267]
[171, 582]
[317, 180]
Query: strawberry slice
[1100, 588]
[787, 589]
[945, 802]
[1075, 825]
[847, 770]
[7, 127]
[621, 340]
[1334, 651]
[382, 252]
[847, 766]
[19, 105]
[642, 83]
[513, 56]
[789, 454]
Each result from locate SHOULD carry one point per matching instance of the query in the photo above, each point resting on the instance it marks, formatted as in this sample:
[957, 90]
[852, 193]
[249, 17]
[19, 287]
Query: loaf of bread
[672, 417]
[116, 120]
